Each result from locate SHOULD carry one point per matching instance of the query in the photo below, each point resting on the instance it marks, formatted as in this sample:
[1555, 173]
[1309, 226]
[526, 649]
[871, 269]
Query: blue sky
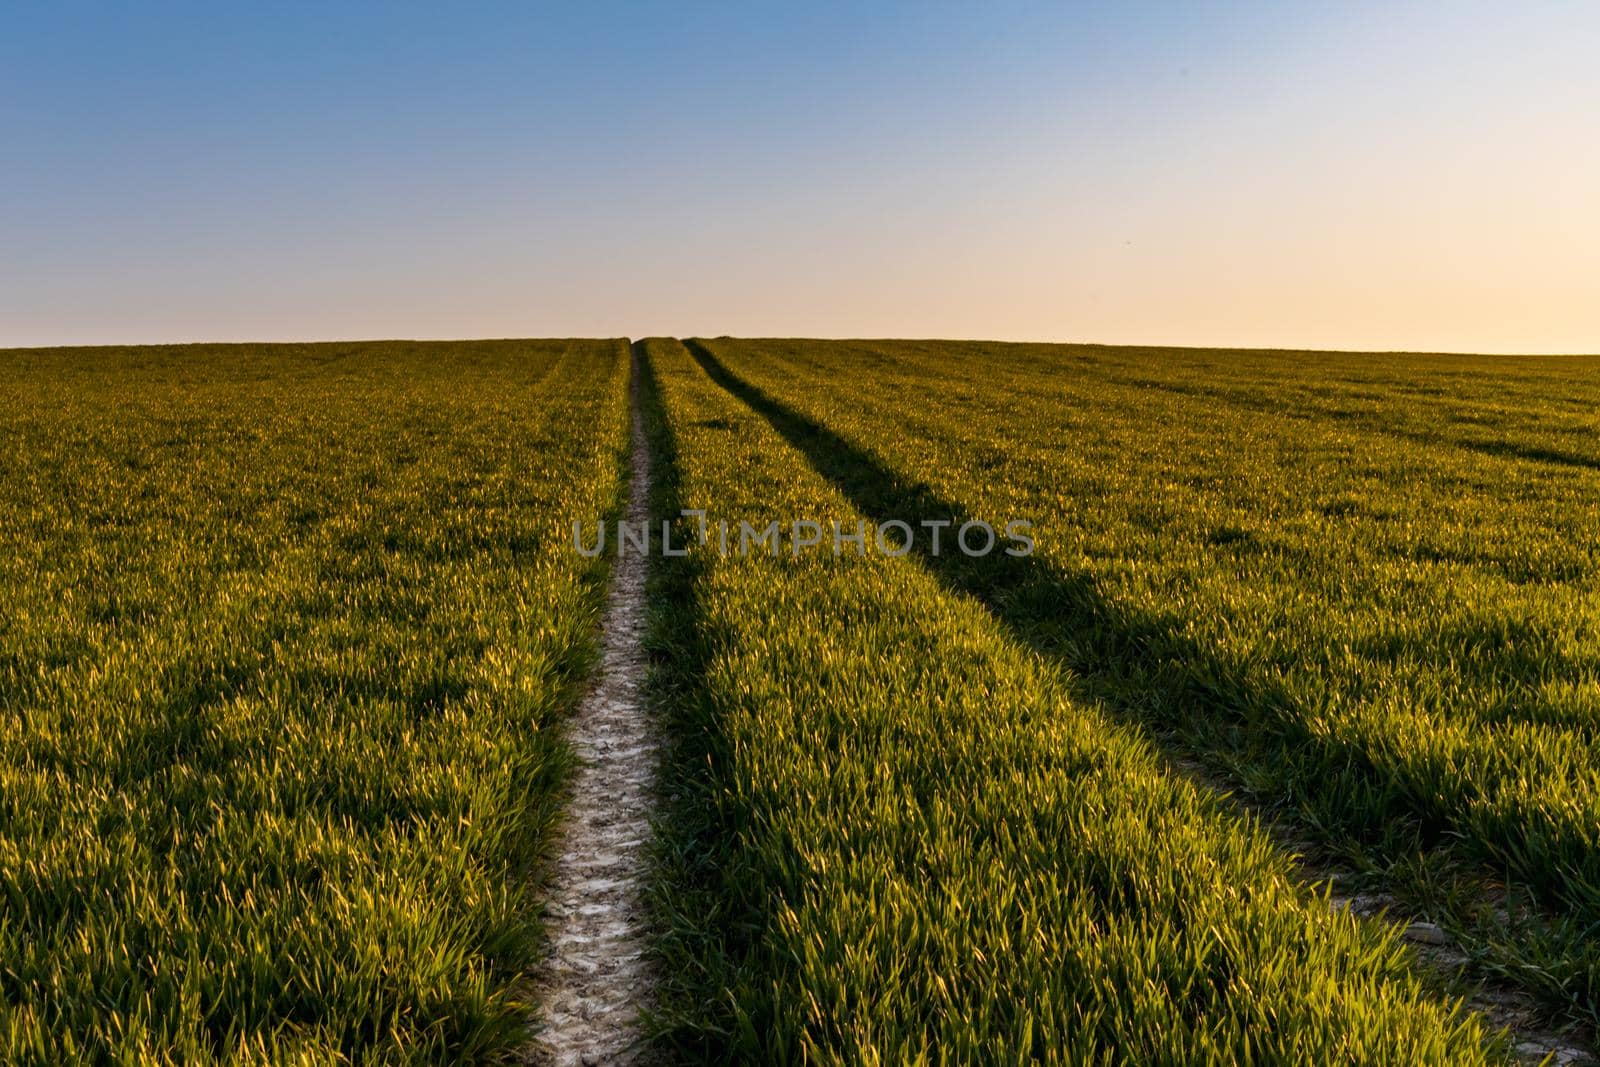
[1372, 176]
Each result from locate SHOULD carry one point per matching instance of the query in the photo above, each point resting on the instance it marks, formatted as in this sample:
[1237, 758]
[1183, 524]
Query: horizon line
[206, 343]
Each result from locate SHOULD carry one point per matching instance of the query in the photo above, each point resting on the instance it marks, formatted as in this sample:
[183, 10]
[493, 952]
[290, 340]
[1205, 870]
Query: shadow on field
[1531, 453]
[704, 903]
[1141, 669]
[1144, 670]
[1368, 422]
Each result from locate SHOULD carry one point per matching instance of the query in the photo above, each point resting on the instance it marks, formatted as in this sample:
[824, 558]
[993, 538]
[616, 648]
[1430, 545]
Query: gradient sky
[1421, 176]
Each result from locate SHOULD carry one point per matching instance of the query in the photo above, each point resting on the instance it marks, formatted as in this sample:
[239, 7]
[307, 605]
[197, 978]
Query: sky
[1372, 176]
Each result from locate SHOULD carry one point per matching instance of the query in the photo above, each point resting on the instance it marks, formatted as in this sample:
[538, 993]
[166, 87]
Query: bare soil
[596, 977]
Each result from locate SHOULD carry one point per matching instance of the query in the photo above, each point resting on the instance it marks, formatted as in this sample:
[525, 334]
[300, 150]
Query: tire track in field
[1539, 1035]
[596, 978]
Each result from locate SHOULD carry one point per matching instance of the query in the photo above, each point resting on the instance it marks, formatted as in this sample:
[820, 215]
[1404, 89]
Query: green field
[290, 631]
[286, 632]
[1360, 589]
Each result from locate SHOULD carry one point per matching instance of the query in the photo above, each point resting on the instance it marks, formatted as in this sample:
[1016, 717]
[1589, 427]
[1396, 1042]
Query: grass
[1359, 588]
[287, 630]
[898, 832]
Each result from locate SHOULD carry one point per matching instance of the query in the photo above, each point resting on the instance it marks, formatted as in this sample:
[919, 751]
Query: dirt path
[591, 987]
[596, 978]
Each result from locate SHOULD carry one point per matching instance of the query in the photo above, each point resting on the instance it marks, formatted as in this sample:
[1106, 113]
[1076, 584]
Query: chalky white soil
[596, 977]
